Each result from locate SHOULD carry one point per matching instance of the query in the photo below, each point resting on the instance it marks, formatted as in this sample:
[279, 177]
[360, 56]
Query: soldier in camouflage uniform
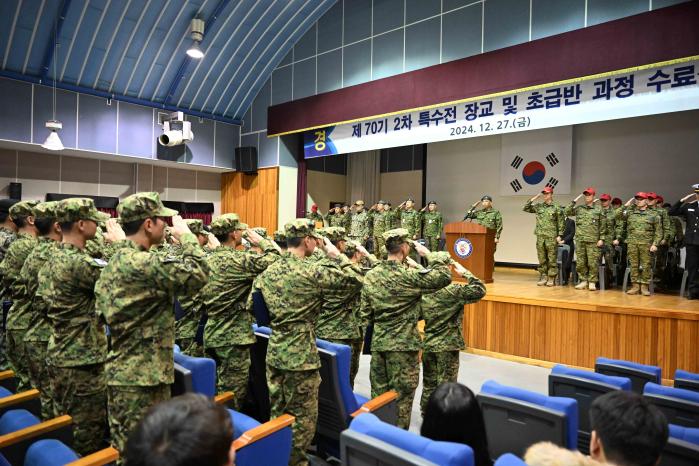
[488, 216]
[656, 206]
[315, 216]
[335, 218]
[608, 249]
[192, 310]
[443, 312]
[22, 214]
[228, 333]
[643, 234]
[134, 295]
[590, 231]
[432, 224]
[380, 215]
[294, 289]
[77, 347]
[8, 233]
[391, 302]
[550, 223]
[38, 331]
[280, 239]
[410, 218]
[392, 217]
[360, 229]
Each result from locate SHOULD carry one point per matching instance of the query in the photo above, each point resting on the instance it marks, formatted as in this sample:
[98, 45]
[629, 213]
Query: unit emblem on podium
[463, 248]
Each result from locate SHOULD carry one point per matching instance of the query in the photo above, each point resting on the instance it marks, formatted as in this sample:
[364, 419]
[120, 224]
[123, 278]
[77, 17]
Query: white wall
[286, 208]
[656, 153]
[324, 188]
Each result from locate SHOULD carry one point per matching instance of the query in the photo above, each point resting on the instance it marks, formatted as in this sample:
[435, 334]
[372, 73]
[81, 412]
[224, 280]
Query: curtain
[112, 212]
[364, 177]
[204, 217]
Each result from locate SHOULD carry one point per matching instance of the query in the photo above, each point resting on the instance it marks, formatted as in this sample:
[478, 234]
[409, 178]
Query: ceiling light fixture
[53, 141]
[197, 35]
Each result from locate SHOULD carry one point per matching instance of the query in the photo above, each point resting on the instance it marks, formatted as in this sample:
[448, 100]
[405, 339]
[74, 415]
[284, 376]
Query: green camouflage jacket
[610, 216]
[335, 220]
[550, 221]
[665, 222]
[432, 224]
[67, 286]
[391, 301]
[590, 222]
[338, 319]
[410, 220]
[7, 236]
[361, 225]
[315, 216]
[294, 290]
[10, 269]
[380, 220]
[38, 328]
[443, 312]
[489, 218]
[231, 274]
[641, 226]
[135, 295]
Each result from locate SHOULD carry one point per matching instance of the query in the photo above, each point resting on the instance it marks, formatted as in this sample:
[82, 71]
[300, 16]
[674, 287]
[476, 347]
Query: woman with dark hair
[452, 414]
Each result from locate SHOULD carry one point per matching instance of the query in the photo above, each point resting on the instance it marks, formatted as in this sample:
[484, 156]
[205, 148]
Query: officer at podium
[488, 216]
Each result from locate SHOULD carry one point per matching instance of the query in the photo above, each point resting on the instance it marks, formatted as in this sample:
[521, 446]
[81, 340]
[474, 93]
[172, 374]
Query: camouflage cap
[300, 228]
[260, 231]
[140, 206]
[359, 202]
[23, 209]
[47, 209]
[279, 235]
[350, 248]
[242, 226]
[79, 208]
[334, 234]
[224, 223]
[397, 234]
[196, 226]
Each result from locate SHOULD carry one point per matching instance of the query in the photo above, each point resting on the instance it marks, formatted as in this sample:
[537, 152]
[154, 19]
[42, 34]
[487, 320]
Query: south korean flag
[532, 160]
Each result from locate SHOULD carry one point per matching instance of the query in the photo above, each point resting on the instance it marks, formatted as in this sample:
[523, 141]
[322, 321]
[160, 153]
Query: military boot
[592, 286]
[582, 285]
[635, 289]
[645, 290]
[550, 282]
[542, 281]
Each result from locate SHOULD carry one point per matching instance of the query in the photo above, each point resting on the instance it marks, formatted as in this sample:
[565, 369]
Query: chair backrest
[203, 373]
[270, 450]
[183, 381]
[362, 450]
[439, 453]
[17, 419]
[640, 374]
[508, 459]
[686, 380]
[585, 387]
[49, 452]
[4, 392]
[688, 434]
[516, 418]
[682, 448]
[680, 406]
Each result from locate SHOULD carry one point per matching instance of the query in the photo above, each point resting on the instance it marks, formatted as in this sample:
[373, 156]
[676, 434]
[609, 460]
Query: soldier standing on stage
[135, 293]
[393, 217]
[346, 217]
[294, 290]
[550, 224]
[360, 230]
[608, 249]
[643, 234]
[315, 216]
[656, 206]
[488, 216]
[688, 207]
[228, 333]
[410, 218]
[432, 224]
[590, 231]
[443, 312]
[335, 218]
[380, 218]
[391, 302]
[22, 214]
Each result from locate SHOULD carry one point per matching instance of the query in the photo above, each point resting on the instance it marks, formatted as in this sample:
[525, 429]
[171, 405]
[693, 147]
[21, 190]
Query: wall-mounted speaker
[246, 160]
[15, 191]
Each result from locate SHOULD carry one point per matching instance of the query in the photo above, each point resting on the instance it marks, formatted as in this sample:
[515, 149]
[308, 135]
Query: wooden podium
[476, 248]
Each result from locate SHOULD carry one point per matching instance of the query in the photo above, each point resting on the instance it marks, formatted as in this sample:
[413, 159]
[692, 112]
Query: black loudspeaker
[15, 191]
[246, 159]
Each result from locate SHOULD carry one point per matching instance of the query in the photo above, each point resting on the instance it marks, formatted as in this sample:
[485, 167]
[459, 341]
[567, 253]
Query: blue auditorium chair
[516, 418]
[680, 406]
[584, 386]
[682, 448]
[266, 444]
[639, 374]
[368, 436]
[52, 452]
[508, 459]
[8, 380]
[686, 380]
[203, 372]
[19, 429]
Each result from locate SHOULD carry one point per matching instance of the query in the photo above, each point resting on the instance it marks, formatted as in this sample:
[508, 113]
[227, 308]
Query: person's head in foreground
[452, 414]
[188, 430]
[627, 430]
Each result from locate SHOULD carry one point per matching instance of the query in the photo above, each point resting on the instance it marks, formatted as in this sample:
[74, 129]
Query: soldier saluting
[488, 216]
[550, 223]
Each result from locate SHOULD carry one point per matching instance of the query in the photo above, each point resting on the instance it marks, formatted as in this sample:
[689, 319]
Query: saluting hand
[114, 231]
[412, 264]
[458, 268]
[687, 197]
[212, 242]
[179, 227]
[653, 248]
[577, 198]
[535, 197]
[329, 248]
[362, 250]
[420, 249]
[628, 203]
[475, 204]
[253, 237]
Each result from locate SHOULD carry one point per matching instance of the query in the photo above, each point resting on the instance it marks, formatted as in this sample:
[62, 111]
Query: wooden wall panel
[253, 197]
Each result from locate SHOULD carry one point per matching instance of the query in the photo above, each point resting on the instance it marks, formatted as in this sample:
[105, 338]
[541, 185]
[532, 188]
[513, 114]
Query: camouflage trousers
[126, 407]
[437, 368]
[190, 347]
[641, 263]
[4, 363]
[432, 243]
[379, 247]
[80, 392]
[232, 370]
[17, 357]
[546, 252]
[296, 393]
[587, 260]
[398, 371]
[39, 375]
[356, 348]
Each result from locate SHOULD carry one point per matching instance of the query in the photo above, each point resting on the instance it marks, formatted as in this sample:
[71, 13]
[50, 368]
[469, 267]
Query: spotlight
[197, 35]
[195, 51]
[53, 141]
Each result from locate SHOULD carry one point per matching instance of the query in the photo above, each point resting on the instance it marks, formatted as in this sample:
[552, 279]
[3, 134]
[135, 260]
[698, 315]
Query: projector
[176, 131]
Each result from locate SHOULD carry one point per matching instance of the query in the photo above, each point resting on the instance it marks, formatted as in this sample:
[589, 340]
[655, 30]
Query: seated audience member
[627, 430]
[452, 414]
[189, 430]
[548, 454]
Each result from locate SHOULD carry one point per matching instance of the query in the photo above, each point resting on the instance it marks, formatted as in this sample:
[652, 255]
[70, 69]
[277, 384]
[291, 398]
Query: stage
[520, 321]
